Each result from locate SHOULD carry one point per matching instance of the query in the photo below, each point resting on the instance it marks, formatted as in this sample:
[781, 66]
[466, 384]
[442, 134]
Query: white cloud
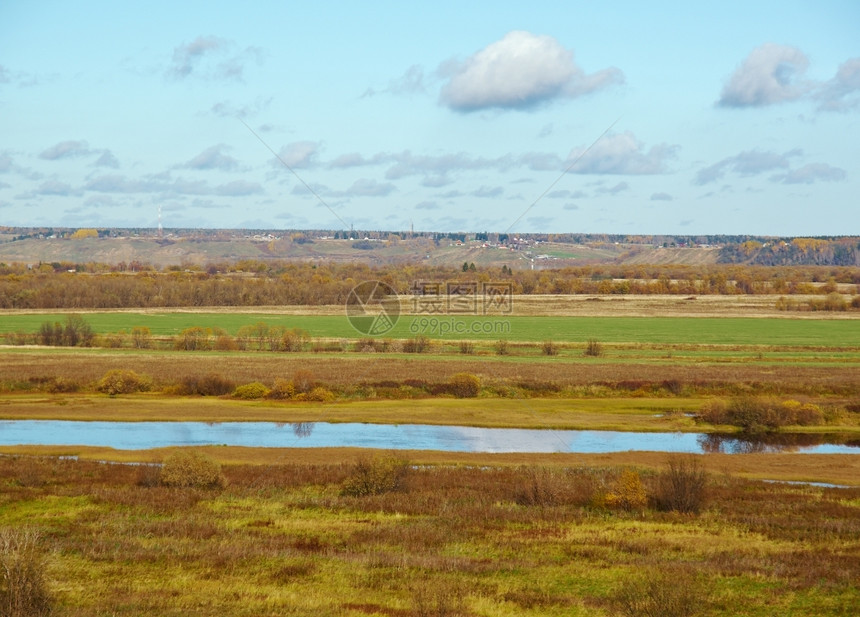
[518, 72]
[367, 188]
[213, 157]
[615, 189]
[238, 188]
[770, 74]
[299, 154]
[811, 173]
[747, 163]
[842, 93]
[107, 159]
[411, 82]
[427, 205]
[199, 58]
[65, 149]
[187, 57]
[622, 154]
[488, 192]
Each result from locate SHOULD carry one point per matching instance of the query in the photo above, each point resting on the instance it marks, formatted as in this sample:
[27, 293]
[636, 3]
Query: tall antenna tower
[159, 221]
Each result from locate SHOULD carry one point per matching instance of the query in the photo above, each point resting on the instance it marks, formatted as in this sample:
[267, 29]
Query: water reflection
[145, 435]
[302, 429]
[758, 443]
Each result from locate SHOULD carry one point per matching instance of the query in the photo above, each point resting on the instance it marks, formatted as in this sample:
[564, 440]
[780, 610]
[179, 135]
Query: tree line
[259, 283]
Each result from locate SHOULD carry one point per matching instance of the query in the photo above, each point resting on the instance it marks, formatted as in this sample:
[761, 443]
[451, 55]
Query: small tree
[141, 338]
[77, 332]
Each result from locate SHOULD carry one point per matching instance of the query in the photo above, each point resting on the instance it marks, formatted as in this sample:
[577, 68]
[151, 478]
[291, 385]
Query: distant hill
[528, 251]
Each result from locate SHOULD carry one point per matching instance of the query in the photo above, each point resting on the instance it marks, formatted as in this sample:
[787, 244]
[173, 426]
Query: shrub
[123, 381]
[419, 344]
[464, 385]
[63, 385]
[467, 347]
[627, 494]
[662, 594]
[543, 487]
[375, 476]
[188, 468]
[225, 342]
[212, 384]
[22, 583]
[282, 389]
[294, 340]
[549, 348]
[193, 339]
[681, 487]
[502, 348]
[303, 380]
[593, 348]
[141, 337]
[318, 395]
[753, 413]
[253, 390]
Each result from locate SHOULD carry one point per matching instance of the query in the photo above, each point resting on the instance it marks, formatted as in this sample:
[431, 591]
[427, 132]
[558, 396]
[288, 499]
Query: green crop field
[841, 333]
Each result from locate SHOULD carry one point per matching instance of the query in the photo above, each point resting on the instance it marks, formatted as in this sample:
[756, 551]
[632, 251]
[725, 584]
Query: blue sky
[620, 117]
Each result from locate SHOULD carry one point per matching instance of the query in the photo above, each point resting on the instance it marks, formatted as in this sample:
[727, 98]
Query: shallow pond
[145, 435]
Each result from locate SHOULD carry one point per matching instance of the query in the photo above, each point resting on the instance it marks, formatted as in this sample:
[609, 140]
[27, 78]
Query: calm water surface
[144, 435]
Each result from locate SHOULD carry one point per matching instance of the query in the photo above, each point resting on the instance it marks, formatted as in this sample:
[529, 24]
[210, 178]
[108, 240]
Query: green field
[837, 333]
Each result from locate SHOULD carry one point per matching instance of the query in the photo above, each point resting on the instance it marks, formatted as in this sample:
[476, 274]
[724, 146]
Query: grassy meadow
[458, 534]
[461, 540]
[837, 333]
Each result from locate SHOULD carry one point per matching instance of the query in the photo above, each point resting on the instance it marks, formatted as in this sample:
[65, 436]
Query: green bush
[123, 381]
[253, 390]
[375, 476]
[191, 469]
[23, 592]
[464, 385]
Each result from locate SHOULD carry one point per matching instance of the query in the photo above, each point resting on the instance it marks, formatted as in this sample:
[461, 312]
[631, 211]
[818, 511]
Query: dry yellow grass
[839, 469]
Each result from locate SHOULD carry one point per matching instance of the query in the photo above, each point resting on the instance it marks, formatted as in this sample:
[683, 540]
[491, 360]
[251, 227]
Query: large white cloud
[770, 74]
[520, 71]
